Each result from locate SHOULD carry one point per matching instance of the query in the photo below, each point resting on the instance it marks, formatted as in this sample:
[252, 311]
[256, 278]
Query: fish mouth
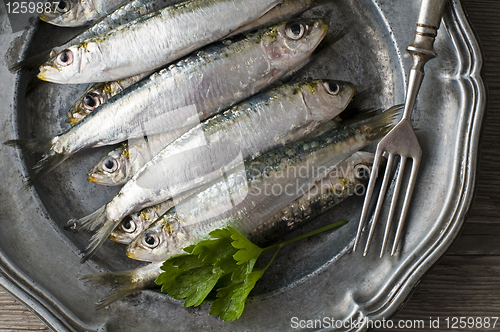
[43, 17]
[92, 177]
[132, 253]
[73, 120]
[45, 73]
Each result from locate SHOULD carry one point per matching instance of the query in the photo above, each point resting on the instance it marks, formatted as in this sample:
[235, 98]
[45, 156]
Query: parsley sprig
[225, 262]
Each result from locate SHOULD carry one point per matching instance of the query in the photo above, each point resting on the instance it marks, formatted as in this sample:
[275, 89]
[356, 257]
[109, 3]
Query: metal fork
[401, 140]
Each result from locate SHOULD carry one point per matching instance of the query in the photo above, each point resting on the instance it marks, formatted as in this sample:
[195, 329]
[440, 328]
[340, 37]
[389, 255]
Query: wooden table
[466, 281]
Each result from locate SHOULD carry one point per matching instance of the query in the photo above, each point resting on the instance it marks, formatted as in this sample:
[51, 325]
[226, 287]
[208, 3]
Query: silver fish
[152, 41]
[264, 122]
[246, 198]
[97, 95]
[123, 162]
[187, 92]
[74, 13]
[122, 15]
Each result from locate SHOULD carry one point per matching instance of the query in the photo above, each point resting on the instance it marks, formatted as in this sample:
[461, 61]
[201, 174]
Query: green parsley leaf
[247, 250]
[231, 299]
[226, 262]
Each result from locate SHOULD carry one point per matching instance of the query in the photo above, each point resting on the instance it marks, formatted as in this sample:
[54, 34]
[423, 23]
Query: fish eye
[65, 58]
[332, 88]
[63, 7]
[151, 240]
[295, 30]
[91, 101]
[128, 225]
[361, 172]
[109, 165]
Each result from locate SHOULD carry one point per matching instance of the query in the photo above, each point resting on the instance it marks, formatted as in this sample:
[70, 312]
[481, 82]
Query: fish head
[93, 98]
[68, 13]
[325, 99]
[132, 225]
[111, 170]
[162, 239]
[73, 65]
[357, 168]
[348, 177]
[291, 43]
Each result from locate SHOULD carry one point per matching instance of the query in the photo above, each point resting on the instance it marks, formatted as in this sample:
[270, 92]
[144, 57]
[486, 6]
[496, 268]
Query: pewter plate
[313, 279]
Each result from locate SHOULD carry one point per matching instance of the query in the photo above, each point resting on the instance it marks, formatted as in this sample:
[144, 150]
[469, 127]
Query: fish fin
[49, 161]
[31, 63]
[31, 145]
[33, 84]
[98, 239]
[361, 103]
[122, 284]
[88, 223]
[328, 41]
[383, 122]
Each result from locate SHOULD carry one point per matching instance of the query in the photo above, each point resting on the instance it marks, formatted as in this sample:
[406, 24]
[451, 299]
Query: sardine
[187, 92]
[122, 15]
[97, 95]
[264, 122]
[248, 197]
[121, 164]
[152, 41]
[74, 13]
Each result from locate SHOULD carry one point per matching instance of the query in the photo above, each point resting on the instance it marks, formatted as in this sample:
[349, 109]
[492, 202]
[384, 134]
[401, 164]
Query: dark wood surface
[466, 281]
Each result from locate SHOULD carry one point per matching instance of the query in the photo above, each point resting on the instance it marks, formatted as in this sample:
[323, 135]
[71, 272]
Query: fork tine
[409, 192]
[380, 201]
[368, 196]
[394, 201]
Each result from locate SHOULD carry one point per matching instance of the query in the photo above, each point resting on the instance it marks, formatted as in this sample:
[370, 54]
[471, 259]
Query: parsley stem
[272, 258]
[303, 236]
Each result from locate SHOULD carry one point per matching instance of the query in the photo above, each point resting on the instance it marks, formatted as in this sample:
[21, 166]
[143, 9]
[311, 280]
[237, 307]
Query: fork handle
[422, 48]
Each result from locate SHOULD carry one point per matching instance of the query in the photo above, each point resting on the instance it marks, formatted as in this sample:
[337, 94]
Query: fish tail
[380, 124]
[31, 63]
[122, 284]
[98, 238]
[90, 222]
[49, 161]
